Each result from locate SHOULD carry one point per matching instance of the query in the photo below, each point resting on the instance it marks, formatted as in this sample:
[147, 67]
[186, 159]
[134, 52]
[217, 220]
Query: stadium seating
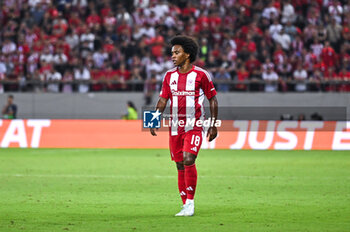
[243, 43]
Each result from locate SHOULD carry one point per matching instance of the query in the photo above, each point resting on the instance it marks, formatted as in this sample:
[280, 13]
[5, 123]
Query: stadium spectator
[315, 79]
[242, 76]
[53, 77]
[124, 76]
[67, 80]
[328, 56]
[300, 75]
[344, 76]
[87, 39]
[221, 76]
[60, 60]
[3, 71]
[136, 79]
[288, 13]
[335, 9]
[270, 11]
[72, 39]
[271, 79]
[283, 39]
[82, 74]
[284, 70]
[331, 76]
[321, 33]
[8, 47]
[150, 88]
[291, 30]
[275, 28]
[334, 33]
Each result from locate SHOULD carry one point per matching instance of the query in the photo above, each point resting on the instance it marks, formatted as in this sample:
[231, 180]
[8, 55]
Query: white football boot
[182, 211]
[187, 209]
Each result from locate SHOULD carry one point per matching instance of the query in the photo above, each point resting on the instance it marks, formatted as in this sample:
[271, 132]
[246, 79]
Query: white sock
[188, 201]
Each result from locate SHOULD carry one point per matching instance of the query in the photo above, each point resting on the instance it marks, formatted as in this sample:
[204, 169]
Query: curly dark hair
[189, 45]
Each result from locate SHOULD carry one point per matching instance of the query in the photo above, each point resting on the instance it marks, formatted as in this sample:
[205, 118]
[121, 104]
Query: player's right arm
[163, 99]
[161, 104]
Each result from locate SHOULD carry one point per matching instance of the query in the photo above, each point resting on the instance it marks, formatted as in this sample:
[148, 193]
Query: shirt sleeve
[208, 86]
[165, 92]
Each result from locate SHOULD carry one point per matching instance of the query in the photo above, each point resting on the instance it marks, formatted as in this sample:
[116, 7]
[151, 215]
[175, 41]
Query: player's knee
[180, 165]
[189, 159]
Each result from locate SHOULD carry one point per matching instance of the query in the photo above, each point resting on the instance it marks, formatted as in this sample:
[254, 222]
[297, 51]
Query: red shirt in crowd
[242, 75]
[202, 23]
[93, 19]
[344, 76]
[328, 56]
[97, 75]
[252, 64]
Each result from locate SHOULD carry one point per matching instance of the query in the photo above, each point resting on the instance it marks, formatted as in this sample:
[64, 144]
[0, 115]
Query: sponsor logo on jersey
[194, 149]
[183, 93]
[173, 83]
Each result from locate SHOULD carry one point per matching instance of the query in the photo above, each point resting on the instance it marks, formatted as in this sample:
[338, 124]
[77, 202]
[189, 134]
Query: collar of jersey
[177, 70]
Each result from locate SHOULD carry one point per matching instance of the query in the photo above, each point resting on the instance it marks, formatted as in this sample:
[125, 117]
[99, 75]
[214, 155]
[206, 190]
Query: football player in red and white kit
[185, 86]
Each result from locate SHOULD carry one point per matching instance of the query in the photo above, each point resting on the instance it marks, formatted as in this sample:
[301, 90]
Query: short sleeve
[208, 86]
[165, 92]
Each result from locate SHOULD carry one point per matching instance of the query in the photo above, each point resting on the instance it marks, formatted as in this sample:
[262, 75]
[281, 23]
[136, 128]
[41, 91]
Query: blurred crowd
[110, 45]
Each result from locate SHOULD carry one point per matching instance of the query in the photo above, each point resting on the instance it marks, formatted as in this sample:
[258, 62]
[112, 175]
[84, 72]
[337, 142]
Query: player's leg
[190, 183]
[192, 143]
[176, 144]
[190, 174]
[181, 181]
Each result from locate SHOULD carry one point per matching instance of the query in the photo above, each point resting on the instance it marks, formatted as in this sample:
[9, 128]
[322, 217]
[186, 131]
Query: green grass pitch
[114, 190]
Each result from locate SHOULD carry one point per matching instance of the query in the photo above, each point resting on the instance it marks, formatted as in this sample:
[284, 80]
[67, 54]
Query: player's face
[178, 55]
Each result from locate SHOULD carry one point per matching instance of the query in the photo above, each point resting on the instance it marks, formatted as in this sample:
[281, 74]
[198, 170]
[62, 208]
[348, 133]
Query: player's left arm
[210, 92]
[213, 131]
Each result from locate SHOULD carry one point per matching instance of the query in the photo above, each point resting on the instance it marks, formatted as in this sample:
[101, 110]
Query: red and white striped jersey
[186, 93]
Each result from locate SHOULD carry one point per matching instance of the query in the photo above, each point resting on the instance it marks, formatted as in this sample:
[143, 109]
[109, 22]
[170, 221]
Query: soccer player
[185, 86]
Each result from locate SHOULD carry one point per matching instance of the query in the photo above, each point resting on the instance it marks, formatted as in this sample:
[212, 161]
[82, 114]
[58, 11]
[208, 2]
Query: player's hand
[153, 132]
[212, 133]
